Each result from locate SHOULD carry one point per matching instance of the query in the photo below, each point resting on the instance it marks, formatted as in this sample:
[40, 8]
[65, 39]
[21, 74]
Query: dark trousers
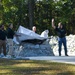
[60, 42]
[3, 45]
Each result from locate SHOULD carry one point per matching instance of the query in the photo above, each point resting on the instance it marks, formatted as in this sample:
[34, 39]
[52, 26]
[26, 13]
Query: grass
[31, 67]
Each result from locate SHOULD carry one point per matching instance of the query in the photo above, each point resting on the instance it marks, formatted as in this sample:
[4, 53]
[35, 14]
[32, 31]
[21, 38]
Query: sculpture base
[28, 50]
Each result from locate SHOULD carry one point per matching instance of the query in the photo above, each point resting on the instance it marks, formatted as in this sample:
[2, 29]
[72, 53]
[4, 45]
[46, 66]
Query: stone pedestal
[28, 49]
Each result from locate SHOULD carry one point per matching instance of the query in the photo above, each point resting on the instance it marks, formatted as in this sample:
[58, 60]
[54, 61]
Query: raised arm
[53, 25]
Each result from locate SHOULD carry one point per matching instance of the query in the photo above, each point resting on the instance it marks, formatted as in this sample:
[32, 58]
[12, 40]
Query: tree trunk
[31, 13]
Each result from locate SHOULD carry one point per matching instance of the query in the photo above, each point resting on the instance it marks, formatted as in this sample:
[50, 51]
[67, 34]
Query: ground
[34, 67]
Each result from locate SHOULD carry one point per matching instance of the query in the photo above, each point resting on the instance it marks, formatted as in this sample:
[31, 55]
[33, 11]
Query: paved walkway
[61, 59]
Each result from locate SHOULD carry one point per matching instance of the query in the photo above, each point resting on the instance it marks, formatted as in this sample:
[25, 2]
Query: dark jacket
[10, 33]
[3, 35]
[61, 32]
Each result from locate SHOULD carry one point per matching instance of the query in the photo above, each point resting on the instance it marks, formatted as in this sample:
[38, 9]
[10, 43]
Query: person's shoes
[66, 55]
[2, 55]
[8, 56]
[59, 54]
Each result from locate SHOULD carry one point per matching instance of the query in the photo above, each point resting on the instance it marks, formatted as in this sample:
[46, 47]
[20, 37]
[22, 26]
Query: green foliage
[17, 12]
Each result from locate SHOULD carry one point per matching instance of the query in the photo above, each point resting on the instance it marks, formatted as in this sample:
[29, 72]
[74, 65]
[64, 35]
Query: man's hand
[53, 25]
[52, 20]
[17, 34]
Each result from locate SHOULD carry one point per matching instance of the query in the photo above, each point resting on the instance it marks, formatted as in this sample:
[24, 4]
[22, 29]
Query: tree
[31, 13]
[39, 13]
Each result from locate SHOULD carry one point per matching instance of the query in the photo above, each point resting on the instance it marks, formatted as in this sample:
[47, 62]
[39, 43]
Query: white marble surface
[70, 45]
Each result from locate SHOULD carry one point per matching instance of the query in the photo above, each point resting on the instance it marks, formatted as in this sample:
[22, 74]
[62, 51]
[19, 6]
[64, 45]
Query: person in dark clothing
[10, 32]
[2, 40]
[10, 35]
[61, 36]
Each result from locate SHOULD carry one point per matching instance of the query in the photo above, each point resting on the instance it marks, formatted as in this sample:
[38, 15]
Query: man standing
[61, 36]
[2, 40]
[10, 35]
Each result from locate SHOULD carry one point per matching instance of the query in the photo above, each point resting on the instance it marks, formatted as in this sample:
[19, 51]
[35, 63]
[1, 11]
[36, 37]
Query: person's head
[0, 26]
[3, 27]
[11, 25]
[34, 28]
[60, 25]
